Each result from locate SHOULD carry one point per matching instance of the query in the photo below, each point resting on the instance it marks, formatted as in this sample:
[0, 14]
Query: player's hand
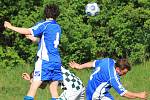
[143, 95]
[32, 38]
[26, 76]
[7, 24]
[27, 36]
[73, 64]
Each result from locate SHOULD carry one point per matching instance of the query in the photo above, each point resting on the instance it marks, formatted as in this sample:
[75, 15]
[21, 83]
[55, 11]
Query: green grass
[12, 87]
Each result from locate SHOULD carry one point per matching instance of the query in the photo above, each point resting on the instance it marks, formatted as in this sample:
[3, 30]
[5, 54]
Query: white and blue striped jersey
[49, 32]
[103, 78]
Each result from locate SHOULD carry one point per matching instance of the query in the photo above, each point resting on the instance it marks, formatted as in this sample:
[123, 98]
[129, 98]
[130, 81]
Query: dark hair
[123, 64]
[51, 11]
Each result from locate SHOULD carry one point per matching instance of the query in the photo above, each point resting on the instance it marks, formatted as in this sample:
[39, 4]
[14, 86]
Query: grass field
[12, 87]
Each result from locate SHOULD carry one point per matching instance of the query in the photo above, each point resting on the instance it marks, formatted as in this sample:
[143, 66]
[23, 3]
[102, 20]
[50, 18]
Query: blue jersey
[103, 78]
[49, 32]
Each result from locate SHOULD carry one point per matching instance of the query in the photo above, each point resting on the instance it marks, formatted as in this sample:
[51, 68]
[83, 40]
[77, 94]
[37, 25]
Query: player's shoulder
[38, 24]
[52, 25]
[104, 61]
[107, 60]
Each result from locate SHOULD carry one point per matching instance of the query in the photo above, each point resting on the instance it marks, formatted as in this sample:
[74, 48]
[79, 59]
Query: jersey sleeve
[38, 29]
[116, 84]
[96, 63]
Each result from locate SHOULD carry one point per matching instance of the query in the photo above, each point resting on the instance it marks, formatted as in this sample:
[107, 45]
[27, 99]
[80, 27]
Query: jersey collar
[51, 20]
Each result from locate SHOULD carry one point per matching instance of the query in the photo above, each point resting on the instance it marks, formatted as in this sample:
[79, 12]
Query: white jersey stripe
[99, 91]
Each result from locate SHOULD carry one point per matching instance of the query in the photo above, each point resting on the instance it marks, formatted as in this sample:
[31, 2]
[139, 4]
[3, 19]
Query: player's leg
[56, 76]
[36, 82]
[33, 88]
[53, 87]
[32, 91]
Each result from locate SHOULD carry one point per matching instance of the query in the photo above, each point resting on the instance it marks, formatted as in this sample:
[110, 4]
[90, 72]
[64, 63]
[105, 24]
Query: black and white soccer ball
[92, 9]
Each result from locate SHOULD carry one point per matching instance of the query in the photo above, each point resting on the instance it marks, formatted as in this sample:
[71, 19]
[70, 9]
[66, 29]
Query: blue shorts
[47, 71]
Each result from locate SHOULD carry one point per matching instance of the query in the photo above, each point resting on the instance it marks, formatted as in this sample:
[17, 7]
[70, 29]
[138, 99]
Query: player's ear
[117, 69]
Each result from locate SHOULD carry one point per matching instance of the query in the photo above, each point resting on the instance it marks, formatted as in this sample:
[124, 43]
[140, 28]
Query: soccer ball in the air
[92, 9]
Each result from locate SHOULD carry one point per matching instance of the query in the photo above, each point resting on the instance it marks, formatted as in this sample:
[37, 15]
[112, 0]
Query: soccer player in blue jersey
[107, 74]
[71, 84]
[48, 65]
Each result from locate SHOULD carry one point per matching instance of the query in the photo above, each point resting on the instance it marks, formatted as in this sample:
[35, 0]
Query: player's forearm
[86, 65]
[80, 66]
[25, 31]
[133, 95]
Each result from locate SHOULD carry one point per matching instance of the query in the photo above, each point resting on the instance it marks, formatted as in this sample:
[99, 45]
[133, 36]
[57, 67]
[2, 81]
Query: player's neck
[49, 19]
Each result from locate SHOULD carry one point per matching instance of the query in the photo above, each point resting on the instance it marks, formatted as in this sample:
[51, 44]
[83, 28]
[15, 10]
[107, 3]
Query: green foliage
[14, 46]
[120, 30]
[9, 58]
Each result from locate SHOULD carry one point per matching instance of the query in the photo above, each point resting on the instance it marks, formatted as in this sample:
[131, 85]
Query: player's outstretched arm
[20, 30]
[80, 66]
[133, 95]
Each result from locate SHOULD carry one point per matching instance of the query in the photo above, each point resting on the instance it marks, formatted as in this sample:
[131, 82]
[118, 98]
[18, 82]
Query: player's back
[100, 79]
[50, 36]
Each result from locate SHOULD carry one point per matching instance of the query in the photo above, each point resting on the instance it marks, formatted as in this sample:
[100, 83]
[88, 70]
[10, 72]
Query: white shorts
[73, 95]
[106, 98]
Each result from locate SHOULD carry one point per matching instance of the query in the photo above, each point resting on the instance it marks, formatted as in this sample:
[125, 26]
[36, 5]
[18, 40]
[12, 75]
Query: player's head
[51, 11]
[122, 66]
